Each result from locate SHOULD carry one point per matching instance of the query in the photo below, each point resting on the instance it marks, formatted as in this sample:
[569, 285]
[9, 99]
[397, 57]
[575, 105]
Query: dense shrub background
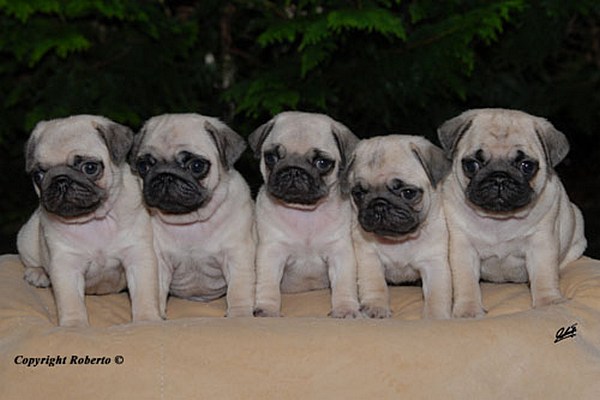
[378, 66]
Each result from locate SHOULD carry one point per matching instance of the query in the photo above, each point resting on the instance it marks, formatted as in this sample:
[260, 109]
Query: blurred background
[377, 66]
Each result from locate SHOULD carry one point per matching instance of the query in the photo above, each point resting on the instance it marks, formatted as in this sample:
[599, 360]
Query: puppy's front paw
[37, 277]
[74, 322]
[438, 311]
[149, 316]
[345, 312]
[375, 311]
[548, 300]
[264, 312]
[468, 310]
[233, 312]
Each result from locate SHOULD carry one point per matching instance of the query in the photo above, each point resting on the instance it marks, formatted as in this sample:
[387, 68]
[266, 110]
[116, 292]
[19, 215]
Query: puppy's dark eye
[144, 164]
[358, 193]
[528, 167]
[411, 194]
[198, 167]
[470, 167]
[270, 158]
[38, 176]
[143, 167]
[91, 168]
[323, 164]
[402, 189]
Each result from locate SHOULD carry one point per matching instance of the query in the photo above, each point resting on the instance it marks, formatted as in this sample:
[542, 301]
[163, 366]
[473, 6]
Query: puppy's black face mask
[298, 178]
[71, 191]
[500, 185]
[175, 186]
[390, 210]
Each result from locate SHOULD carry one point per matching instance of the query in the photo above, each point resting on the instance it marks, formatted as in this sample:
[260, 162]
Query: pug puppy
[302, 216]
[399, 230]
[202, 212]
[509, 217]
[91, 233]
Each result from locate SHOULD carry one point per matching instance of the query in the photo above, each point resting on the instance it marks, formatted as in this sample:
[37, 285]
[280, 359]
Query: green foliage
[392, 60]
[119, 58]
[40, 27]
[397, 49]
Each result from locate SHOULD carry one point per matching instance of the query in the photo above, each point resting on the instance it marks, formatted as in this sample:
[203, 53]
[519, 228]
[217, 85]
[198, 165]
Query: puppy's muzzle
[173, 193]
[70, 197]
[383, 218]
[295, 185]
[499, 191]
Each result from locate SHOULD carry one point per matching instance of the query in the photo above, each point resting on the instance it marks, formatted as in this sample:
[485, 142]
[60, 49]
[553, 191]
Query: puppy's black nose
[379, 204]
[294, 177]
[61, 183]
[165, 178]
[499, 179]
[293, 172]
[379, 209]
[499, 176]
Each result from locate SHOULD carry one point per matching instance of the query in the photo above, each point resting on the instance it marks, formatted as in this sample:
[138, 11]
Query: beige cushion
[509, 354]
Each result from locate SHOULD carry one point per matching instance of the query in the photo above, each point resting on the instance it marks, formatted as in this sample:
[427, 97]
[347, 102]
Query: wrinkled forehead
[58, 142]
[302, 135]
[378, 161]
[500, 135]
[168, 136]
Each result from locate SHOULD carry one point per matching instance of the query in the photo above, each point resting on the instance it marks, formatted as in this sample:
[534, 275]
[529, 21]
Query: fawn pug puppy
[202, 212]
[91, 233]
[509, 217]
[399, 229]
[302, 217]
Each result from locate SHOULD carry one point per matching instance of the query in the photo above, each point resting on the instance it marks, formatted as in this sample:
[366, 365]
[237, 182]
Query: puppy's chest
[99, 244]
[399, 263]
[97, 237]
[500, 241]
[192, 253]
[503, 260]
[195, 273]
[197, 238]
[305, 231]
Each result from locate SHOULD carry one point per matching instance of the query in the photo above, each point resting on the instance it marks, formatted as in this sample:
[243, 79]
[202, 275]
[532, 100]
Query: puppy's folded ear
[346, 142]
[118, 139]
[344, 179]
[257, 138]
[554, 142]
[433, 160]
[229, 144]
[30, 147]
[451, 131]
[135, 148]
